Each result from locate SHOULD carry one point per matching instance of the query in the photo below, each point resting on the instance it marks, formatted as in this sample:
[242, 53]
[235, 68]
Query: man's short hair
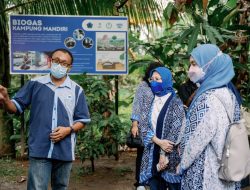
[64, 51]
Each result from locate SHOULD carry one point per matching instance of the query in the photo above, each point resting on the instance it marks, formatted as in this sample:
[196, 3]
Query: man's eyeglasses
[62, 63]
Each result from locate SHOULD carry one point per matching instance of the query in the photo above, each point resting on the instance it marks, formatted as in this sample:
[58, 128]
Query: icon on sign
[109, 25]
[90, 25]
[119, 25]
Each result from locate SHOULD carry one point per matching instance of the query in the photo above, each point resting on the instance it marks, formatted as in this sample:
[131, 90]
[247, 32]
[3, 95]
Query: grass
[9, 170]
[121, 171]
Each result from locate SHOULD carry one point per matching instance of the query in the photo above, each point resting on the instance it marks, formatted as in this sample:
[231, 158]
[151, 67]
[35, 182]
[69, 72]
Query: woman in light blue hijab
[207, 120]
[218, 69]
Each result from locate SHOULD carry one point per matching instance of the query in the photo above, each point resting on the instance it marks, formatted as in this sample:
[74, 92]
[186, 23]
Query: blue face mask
[58, 71]
[156, 87]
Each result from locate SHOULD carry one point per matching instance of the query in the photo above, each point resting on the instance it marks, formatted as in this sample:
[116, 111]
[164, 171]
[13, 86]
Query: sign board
[98, 44]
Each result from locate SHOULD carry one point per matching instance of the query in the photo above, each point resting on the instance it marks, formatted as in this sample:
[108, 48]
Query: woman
[139, 116]
[160, 156]
[207, 120]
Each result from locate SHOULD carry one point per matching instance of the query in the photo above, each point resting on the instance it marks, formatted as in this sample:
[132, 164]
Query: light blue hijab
[167, 80]
[218, 73]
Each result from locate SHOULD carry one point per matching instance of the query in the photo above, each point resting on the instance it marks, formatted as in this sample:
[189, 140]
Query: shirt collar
[162, 99]
[66, 83]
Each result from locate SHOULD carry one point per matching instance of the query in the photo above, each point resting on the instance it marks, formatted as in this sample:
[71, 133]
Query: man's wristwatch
[71, 130]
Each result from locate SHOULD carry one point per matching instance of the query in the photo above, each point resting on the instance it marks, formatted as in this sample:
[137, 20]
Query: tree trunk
[6, 125]
[243, 41]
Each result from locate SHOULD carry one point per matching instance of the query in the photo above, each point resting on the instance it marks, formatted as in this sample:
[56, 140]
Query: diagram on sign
[110, 51]
[31, 60]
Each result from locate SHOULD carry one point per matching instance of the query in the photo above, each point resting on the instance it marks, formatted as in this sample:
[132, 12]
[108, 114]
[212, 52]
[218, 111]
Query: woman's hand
[163, 163]
[178, 169]
[178, 150]
[166, 145]
[134, 128]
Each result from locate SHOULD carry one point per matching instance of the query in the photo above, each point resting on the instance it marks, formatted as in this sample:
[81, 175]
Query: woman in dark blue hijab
[160, 156]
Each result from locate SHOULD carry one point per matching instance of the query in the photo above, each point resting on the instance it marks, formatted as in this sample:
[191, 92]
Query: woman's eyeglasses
[157, 79]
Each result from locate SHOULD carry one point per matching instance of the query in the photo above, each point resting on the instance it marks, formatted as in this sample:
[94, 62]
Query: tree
[139, 12]
[193, 22]
[6, 147]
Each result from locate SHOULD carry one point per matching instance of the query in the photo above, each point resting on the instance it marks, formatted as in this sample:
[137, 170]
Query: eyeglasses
[154, 79]
[62, 63]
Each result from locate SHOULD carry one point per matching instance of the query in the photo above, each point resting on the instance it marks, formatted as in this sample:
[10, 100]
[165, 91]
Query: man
[58, 111]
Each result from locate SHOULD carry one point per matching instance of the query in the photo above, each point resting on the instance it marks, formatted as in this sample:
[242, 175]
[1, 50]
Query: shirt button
[53, 119]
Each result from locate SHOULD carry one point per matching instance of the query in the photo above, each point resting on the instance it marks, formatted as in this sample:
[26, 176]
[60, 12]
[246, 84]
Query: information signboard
[98, 44]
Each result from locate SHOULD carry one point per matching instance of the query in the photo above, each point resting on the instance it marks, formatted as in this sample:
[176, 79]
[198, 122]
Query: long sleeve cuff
[148, 138]
[135, 117]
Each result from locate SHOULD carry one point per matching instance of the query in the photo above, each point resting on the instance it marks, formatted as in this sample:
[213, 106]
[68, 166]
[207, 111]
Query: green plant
[10, 172]
[89, 146]
[101, 137]
[123, 170]
[194, 22]
[106, 131]
[219, 22]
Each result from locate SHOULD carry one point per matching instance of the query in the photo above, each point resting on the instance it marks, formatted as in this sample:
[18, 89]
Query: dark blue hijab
[167, 80]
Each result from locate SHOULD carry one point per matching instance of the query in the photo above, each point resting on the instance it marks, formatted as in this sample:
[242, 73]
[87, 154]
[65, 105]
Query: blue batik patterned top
[204, 138]
[141, 105]
[172, 117]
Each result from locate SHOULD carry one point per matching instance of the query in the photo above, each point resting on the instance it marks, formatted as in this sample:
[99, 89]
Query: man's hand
[1, 101]
[5, 101]
[59, 133]
[4, 97]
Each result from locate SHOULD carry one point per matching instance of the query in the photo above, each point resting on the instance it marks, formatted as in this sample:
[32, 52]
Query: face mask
[58, 71]
[156, 87]
[195, 73]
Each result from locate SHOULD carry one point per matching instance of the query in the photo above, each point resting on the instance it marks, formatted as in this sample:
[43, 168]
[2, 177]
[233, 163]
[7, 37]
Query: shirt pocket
[68, 101]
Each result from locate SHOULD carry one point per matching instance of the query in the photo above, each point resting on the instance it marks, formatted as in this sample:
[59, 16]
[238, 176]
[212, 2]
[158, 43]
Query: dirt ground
[109, 174]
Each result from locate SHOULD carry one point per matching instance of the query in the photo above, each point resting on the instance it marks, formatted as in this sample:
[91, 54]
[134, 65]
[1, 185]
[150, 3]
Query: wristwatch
[71, 130]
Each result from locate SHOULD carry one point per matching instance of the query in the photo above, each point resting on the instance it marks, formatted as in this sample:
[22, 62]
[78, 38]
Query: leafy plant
[197, 22]
[106, 131]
